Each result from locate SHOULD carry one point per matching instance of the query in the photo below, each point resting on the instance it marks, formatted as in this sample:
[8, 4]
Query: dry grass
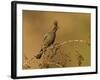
[54, 56]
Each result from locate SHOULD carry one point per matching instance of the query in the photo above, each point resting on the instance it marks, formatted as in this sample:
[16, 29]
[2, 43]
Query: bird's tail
[38, 56]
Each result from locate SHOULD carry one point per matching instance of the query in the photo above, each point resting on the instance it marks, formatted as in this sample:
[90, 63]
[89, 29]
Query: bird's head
[55, 28]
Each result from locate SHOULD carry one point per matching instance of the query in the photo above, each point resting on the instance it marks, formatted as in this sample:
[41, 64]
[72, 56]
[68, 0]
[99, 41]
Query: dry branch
[48, 59]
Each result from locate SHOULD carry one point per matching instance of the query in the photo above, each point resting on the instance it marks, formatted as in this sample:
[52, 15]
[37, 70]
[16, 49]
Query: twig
[50, 63]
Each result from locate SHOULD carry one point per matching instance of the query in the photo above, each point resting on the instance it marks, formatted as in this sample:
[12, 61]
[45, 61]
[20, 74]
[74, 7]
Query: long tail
[38, 56]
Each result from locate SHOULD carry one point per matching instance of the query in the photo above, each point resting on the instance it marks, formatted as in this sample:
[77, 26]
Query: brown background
[72, 26]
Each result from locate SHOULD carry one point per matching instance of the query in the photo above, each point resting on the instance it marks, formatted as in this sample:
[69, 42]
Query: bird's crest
[55, 23]
[55, 26]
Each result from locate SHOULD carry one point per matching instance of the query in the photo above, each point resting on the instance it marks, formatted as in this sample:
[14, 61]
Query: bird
[49, 39]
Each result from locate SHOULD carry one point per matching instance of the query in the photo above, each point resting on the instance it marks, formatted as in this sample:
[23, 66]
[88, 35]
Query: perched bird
[49, 39]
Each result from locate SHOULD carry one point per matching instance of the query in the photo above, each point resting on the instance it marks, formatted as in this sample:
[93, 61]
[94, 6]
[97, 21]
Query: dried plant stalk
[48, 59]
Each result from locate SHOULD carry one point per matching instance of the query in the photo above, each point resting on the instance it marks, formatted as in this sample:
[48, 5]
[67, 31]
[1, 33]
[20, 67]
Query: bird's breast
[50, 39]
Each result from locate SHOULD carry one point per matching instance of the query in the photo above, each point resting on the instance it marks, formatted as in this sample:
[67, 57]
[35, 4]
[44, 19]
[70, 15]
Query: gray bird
[49, 39]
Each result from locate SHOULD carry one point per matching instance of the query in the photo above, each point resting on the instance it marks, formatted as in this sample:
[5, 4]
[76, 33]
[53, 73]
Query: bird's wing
[45, 36]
